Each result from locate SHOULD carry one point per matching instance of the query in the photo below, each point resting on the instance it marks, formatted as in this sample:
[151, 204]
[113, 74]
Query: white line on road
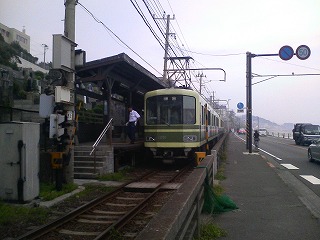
[311, 179]
[279, 159]
[290, 166]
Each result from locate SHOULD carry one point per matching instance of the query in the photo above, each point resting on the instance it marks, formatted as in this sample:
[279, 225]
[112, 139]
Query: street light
[45, 48]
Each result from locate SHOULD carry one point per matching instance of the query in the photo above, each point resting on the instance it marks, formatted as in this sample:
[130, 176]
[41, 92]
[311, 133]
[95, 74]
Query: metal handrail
[101, 136]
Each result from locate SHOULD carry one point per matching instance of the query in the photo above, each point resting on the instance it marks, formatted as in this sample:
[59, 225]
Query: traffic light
[58, 123]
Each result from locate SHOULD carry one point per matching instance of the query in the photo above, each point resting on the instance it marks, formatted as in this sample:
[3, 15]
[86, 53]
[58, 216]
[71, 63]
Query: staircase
[84, 165]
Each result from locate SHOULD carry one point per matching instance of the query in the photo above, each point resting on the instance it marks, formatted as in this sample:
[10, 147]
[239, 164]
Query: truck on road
[305, 133]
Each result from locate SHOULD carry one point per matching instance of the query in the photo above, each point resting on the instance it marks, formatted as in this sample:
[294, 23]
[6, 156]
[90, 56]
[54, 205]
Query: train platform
[269, 208]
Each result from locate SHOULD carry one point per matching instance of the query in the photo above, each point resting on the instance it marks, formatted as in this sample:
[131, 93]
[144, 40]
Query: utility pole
[249, 103]
[201, 76]
[213, 98]
[166, 49]
[45, 48]
[69, 32]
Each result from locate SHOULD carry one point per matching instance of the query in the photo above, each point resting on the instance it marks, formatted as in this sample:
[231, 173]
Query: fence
[281, 135]
[8, 114]
[180, 218]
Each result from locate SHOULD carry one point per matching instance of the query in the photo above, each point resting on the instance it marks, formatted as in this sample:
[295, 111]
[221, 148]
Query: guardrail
[95, 145]
[180, 217]
[281, 135]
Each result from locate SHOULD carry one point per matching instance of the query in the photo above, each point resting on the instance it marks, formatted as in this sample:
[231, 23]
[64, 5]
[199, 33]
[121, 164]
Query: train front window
[170, 109]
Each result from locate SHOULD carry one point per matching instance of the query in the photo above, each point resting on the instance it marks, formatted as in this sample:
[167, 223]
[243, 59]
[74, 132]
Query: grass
[48, 190]
[220, 173]
[218, 189]
[11, 214]
[117, 176]
[210, 231]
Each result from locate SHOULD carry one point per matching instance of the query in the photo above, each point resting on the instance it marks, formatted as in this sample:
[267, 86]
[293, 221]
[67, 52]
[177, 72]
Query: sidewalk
[268, 208]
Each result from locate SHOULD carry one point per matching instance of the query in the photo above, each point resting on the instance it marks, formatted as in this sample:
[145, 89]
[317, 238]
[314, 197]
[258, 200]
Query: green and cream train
[179, 122]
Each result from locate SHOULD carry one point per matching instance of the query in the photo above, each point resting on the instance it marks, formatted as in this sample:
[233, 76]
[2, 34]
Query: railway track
[122, 212]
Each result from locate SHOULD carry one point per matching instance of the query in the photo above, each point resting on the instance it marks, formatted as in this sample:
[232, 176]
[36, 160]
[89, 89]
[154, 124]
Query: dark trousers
[131, 130]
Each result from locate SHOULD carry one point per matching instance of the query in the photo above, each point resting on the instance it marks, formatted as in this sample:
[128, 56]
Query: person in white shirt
[132, 123]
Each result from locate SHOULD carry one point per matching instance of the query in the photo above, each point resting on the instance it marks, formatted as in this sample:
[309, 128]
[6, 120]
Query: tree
[8, 55]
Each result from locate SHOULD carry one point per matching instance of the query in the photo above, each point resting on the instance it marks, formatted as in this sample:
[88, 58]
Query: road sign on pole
[303, 52]
[240, 105]
[286, 53]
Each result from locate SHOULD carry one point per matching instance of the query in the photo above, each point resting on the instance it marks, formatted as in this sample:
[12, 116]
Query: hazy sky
[217, 33]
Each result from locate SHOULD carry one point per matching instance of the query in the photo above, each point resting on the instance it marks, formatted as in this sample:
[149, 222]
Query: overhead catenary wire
[117, 37]
[138, 9]
[283, 62]
[155, 9]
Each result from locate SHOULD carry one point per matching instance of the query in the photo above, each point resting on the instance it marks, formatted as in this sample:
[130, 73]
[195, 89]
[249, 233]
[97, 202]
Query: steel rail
[39, 232]
[133, 212]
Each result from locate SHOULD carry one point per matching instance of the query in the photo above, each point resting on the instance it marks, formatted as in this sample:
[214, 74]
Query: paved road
[295, 159]
[273, 202]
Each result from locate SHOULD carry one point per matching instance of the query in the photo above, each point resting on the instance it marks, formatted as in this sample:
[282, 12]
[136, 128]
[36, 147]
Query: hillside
[258, 122]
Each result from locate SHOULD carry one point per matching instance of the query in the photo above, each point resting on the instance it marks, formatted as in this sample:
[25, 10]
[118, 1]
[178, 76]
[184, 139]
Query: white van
[263, 132]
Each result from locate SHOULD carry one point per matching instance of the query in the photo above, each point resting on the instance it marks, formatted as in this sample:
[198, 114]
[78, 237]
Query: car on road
[242, 131]
[314, 151]
[262, 132]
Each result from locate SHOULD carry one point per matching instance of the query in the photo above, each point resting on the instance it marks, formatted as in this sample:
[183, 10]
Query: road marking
[311, 179]
[270, 165]
[290, 166]
[279, 159]
[253, 153]
[270, 154]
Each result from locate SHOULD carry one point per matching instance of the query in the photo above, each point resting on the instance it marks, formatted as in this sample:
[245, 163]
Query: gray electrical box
[62, 53]
[19, 166]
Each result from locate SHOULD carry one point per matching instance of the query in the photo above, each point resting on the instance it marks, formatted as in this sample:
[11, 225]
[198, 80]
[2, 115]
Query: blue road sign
[286, 53]
[240, 105]
[303, 52]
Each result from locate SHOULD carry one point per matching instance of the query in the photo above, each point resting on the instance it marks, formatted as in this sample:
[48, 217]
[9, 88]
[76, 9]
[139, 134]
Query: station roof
[122, 72]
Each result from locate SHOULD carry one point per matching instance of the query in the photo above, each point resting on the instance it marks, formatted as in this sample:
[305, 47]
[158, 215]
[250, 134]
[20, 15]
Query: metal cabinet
[19, 161]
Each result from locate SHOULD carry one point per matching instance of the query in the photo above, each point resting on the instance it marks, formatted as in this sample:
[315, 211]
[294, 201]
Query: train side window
[189, 110]
[151, 111]
[203, 115]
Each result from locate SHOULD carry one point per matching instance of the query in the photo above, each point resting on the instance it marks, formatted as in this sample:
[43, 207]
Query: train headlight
[150, 139]
[190, 138]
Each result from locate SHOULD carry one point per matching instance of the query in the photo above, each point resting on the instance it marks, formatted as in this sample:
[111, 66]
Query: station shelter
[104, 89]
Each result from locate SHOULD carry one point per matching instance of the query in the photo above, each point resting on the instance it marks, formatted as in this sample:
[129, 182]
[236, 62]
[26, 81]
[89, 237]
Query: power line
[283, 62]
[109, 30]
[137, 7]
